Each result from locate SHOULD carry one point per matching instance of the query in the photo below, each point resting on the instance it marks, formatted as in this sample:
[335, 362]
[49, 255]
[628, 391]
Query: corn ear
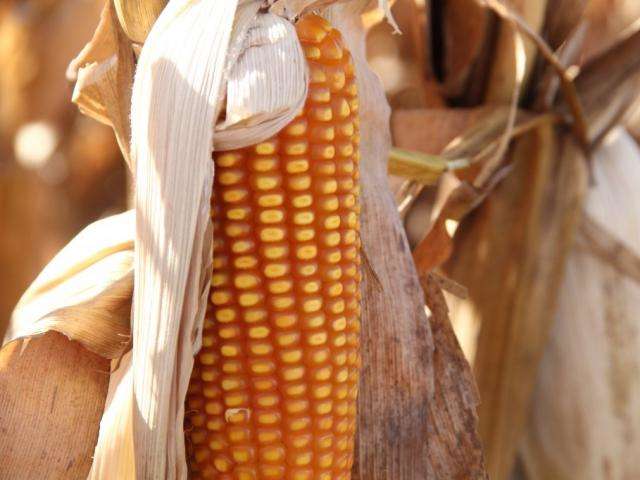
[274, 389]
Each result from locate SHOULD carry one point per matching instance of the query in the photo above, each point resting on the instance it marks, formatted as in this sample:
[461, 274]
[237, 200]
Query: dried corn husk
[52, 396]
[114, 455]
[103, 72]
[85, 291]
[415, 399]
[503, 78]
[585, 419]
[137, 17]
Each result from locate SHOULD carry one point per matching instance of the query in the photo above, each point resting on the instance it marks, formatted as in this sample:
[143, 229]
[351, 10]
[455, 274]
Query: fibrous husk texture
[585, 421]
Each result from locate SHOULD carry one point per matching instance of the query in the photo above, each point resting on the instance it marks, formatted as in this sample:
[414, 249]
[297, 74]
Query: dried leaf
[445, 125]
[85, 291]
[103, 71]
[398, 387]
[175, 102]
[608, 84]
[456, 396]
[467, 34]
[562, 18]
[511, 254]
[293, 9]
[267, 85]
[114, 452]
[503, 78]
[138, 16]
[585, 415]
[501, 124]
[52, 394]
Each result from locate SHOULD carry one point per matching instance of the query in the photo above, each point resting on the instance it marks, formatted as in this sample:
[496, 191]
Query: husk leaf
[52, 393]
[103, 71]
[420, 442]
[175, 103]
[85, 291]
[114, 455]
[270, 61]
[138, 16]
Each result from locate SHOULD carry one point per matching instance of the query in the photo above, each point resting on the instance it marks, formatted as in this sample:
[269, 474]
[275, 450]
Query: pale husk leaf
[270, 62]
[114, 452]
[85, 291]
[586, 404]
[175, 103]
[258, 104]
[292, 9]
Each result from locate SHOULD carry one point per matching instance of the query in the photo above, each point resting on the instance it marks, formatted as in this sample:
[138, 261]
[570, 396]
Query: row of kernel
[273, 262]
[290, 369]
[247, 279]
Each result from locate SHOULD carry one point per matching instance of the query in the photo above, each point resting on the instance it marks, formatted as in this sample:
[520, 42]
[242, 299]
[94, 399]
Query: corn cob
[273, 391]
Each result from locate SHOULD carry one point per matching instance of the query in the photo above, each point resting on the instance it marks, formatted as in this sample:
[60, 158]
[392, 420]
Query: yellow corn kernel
[273, 393]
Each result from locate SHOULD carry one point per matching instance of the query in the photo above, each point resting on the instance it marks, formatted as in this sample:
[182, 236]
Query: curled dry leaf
[270, 61]
[293, 9]
[85, 291]
[138, 16]
[103, 71]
